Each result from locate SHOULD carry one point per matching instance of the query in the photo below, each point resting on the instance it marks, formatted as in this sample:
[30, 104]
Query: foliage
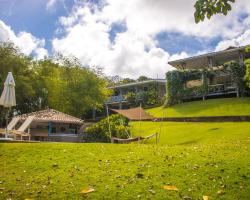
[126, 80]
[207, 8]
[131, 98]
[176, 85]
[143, 78]
[238, 72]
[60, 83]
[199, 158]
[118, 127]
[148, 98]
[247, 63]
[145, 98]
[210, 107]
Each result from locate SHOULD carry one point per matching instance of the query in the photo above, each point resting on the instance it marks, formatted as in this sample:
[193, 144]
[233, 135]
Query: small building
[52, 125]
[221, 83]
[119, 100]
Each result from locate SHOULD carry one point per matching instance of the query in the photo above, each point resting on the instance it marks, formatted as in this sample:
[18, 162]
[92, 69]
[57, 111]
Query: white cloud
[242, 40]
[178, 56]
[27, 43]
[130, 54]
[50, 4]
[135, 52]
[152, 17]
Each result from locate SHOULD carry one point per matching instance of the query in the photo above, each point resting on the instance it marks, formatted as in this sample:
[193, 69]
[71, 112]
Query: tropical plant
[114, 126]
[238, 72]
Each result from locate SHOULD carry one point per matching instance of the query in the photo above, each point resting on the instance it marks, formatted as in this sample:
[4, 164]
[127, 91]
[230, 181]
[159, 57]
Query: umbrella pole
[6, 119]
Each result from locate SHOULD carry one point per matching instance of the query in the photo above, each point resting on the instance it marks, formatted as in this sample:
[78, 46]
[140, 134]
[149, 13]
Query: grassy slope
[172, 133]
[200, 159]
[213, 107]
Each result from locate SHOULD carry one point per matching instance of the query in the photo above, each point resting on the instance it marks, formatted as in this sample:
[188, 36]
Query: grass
[198, 158]
[213, 107]
[184, 133]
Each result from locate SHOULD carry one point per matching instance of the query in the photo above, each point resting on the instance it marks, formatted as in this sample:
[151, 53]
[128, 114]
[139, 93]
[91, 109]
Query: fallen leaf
[220, 192]
[170, 187]
[152, 191]
[205, 197]
[187, 198]
[87, 190]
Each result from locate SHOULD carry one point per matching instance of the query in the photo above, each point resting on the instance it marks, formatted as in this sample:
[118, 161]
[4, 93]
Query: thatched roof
[51, 115]
[134, 114]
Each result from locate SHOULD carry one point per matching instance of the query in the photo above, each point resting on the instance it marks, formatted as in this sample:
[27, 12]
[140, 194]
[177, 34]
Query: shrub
[118, 128]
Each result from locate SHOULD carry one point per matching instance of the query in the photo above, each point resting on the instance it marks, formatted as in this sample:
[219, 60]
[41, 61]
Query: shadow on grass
[213, 129]
[188, 142]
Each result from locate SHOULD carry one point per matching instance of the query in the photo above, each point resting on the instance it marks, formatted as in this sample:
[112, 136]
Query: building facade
[119, 98]
[221, 81]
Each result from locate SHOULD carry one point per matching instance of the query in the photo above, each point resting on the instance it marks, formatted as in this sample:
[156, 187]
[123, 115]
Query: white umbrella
[8, 97]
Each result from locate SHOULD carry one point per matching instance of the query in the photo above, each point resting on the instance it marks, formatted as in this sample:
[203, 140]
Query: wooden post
[110, 134]
[93, 113]
[50, 128]
[210, 62]
[183, 65]
[120, 103]
[241, 57]
[203, 82]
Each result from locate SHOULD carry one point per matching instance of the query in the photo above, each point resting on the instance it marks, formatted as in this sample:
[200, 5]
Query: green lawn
[213, 107]
[198, 158]
[185, 133]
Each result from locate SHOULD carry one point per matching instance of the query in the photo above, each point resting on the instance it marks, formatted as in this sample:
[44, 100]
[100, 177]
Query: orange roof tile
[51, 115]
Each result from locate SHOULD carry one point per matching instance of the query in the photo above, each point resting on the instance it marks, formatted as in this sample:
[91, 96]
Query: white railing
[114, 99]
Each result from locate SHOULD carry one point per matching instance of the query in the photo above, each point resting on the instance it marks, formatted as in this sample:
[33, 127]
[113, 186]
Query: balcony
[218, 88]
[116, 99]
[221, 89]
[213, 90]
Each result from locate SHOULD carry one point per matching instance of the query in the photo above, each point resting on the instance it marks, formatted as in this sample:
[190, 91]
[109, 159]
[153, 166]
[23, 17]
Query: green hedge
[176, 80]
[247, 63]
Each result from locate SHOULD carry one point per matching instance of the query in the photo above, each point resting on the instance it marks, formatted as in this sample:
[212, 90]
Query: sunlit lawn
[212, 107]
[199, 159]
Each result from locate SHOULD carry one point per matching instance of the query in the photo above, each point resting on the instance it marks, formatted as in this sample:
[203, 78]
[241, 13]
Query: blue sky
[126, 38]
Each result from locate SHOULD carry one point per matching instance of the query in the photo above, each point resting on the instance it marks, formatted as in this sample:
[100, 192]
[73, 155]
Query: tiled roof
[51, 115]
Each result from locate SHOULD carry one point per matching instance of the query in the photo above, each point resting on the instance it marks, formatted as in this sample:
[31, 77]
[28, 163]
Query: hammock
[136, 139]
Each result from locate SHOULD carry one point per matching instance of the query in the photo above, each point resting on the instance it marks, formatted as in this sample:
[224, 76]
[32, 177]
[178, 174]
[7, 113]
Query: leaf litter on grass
[170, 187]
[87, 190]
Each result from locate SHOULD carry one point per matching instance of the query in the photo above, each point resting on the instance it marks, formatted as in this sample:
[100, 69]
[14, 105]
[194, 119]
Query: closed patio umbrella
[8, 97]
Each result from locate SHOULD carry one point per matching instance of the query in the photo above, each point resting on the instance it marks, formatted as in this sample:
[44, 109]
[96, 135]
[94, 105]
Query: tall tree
[60, 83]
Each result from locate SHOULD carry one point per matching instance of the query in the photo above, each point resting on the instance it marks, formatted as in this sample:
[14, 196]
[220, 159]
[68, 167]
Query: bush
[118, 127]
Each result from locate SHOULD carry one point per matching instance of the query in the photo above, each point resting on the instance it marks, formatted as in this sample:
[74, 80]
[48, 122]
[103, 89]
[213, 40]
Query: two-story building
[221, 83]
